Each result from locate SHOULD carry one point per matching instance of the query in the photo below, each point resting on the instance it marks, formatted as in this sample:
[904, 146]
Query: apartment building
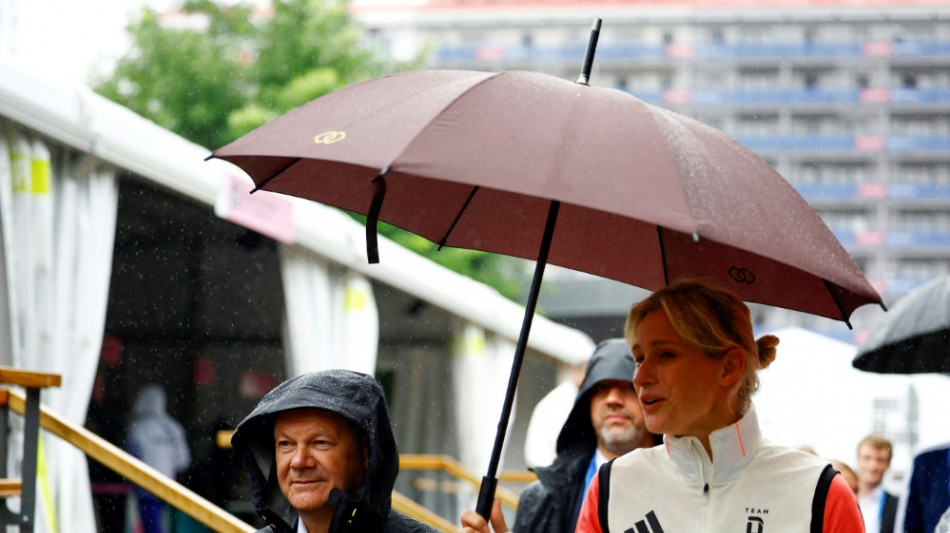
[849, 101]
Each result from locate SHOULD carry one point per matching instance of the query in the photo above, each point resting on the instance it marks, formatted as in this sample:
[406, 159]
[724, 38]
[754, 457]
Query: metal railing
[139, 473]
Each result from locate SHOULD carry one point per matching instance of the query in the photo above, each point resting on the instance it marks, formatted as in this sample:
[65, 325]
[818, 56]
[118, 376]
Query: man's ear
[733, 366]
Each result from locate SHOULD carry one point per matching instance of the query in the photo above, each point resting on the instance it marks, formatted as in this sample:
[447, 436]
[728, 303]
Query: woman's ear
[733, 366]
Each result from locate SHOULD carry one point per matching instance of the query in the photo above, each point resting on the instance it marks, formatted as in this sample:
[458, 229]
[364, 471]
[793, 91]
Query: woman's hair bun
[767, 352]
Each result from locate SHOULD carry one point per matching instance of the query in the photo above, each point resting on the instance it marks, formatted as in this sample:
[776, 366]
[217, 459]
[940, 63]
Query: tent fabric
[61, 239]
[9, 319]
[480, 364]
[330, 318]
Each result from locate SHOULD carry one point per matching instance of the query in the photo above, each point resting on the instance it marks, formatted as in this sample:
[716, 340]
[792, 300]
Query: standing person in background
[697, 368]
[925, 505]
[878, 507]
[158, 440]
[550, 413]
[604, 423]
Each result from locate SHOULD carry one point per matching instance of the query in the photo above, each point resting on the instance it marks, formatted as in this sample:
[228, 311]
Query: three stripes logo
[649, 525]
[652, 525]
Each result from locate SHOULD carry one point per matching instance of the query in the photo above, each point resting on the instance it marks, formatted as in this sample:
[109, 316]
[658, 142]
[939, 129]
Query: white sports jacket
[750, 487]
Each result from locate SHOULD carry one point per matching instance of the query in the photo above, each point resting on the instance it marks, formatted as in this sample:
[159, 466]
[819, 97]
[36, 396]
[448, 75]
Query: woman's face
[676, 382]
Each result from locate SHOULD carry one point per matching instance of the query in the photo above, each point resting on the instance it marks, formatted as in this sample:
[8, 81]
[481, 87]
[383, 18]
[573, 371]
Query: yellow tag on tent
[40, 172]
[354, 298]
[470, 341]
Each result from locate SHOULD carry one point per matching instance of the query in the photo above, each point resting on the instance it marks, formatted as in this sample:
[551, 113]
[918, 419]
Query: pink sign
[871, 239]
[870, 143]
[873, 191]
[677, 96]
[878, 49]
[265, 212]
[875, 96]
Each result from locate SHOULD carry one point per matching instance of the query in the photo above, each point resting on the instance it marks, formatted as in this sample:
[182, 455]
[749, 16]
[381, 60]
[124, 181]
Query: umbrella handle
[486, 496]
[589, 56]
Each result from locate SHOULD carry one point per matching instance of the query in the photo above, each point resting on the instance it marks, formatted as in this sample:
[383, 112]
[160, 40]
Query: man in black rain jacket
[605, 422]
[322, 457]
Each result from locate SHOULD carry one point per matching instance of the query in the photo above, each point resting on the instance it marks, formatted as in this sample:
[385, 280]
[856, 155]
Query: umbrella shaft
[483, 506]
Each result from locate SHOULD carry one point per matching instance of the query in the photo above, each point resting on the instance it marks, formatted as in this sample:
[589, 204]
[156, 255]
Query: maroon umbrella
[533, 166]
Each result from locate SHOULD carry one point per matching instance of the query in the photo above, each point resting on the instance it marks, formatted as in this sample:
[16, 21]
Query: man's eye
[667, 355]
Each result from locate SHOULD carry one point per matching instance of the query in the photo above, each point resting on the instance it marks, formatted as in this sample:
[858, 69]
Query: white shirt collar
[599, 457]
[301, 528]
[873, 497]
[733, 448]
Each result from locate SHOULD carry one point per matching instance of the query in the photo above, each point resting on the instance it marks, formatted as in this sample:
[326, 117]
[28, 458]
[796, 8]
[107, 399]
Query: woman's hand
[473, 522]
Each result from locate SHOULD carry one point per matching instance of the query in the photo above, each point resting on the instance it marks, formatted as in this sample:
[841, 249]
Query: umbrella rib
[458, 217]
[831, 292]
[274, 175]
[666, 274]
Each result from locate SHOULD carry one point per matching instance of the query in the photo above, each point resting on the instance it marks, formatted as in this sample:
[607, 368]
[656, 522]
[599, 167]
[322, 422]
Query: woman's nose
[641, 374]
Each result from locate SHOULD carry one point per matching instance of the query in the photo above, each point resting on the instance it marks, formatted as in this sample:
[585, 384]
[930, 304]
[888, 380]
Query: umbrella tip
[589, 56]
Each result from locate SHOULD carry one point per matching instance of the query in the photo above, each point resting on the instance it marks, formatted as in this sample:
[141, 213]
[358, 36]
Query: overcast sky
[69, 36]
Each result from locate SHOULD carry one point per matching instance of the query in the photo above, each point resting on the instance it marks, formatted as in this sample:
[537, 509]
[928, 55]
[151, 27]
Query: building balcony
[872, 191]
[793, 96]
[896, 144]
[893, 239]
[633, 51]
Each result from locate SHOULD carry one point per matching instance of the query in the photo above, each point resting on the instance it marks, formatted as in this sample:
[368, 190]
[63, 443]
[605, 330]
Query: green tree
[216, 71]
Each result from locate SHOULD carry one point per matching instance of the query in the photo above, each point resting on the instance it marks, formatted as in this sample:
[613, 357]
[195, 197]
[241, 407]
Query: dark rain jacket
[356, 397]
[551, 504]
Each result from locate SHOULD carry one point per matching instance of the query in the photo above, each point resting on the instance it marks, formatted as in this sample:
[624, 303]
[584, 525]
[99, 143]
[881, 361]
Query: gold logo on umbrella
[329, 137]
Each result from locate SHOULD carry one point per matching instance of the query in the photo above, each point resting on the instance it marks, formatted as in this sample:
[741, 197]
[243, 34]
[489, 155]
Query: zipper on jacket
[702, 479]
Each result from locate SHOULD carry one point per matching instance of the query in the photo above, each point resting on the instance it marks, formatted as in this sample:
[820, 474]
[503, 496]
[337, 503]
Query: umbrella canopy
[914, 336]
[529, 165]
[474, 159]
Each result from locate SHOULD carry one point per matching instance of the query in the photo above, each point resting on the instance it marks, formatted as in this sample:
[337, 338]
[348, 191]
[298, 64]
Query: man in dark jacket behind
[322, 457]
[605, 422]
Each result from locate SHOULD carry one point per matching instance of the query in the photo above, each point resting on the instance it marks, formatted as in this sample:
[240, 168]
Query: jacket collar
[733, 448]
[568, 468]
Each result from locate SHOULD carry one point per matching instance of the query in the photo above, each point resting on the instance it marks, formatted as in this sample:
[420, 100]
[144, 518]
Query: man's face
[872, 463]
[616, 417]
[316, 451]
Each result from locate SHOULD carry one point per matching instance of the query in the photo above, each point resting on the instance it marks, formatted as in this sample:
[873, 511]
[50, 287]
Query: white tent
[320, 243]
[812, 396]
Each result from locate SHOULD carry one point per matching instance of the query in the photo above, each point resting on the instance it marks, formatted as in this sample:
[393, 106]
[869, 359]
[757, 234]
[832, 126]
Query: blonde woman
[697, 363]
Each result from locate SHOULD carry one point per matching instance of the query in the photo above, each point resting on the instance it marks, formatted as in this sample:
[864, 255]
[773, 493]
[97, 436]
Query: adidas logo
[649, 525]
